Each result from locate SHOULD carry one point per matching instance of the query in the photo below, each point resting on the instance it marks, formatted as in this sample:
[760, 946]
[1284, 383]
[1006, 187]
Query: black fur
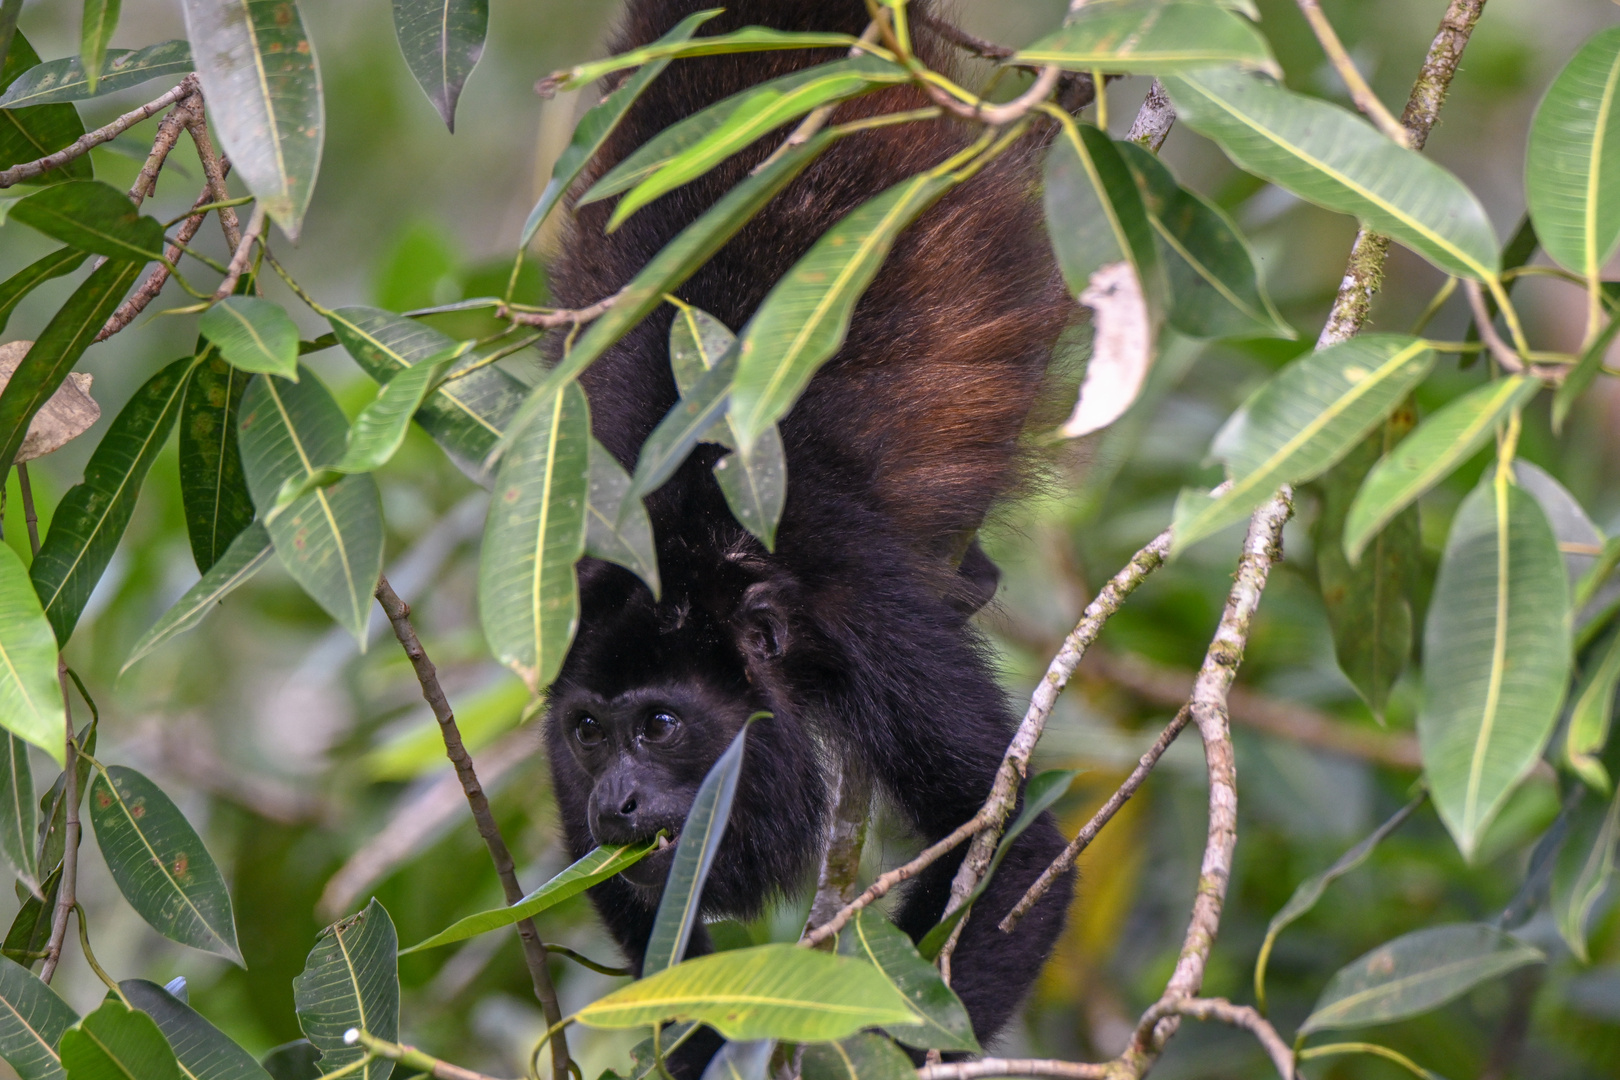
[853, 633]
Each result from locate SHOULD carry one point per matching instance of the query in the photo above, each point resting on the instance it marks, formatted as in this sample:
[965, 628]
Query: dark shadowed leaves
[31, 1023]
[866, 1056]
[1584, 872]
[1592, 714]
[747, 1060]
[213, 488]
[36, 273]
[32, 133]
[945, 1024]
[117, 1043]
[19, 814]
[92, 216]
[204, 1052]
[441, 41]
[64, 80]
[297, 1060]
[615, 530]
[351, 980]
[29, 934]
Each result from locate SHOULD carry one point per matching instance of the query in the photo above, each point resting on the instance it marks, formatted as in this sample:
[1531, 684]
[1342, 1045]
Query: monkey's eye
[661, 726]
[588, 731]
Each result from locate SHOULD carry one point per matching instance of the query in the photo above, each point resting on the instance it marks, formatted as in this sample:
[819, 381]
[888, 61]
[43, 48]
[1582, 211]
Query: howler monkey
[853, 634]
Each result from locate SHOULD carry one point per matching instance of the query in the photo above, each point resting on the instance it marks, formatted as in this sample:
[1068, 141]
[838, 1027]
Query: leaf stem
[90, 956]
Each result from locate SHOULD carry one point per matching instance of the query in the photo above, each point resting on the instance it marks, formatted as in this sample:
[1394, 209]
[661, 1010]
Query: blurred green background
[316, 773]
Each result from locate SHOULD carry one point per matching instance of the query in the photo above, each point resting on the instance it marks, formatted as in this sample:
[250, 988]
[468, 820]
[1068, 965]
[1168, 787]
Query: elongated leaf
[99, 22]
[441, 41]
[1308, 417]
[945, 1024]
[1573, 180]
[331, 540]
[28, 936]
[748, 39]
[297, 1060]
[93, 216]
[9, 10]
[31, 704]
[213, 487]
[766, 992]
[741, 1060]
[597, 124]
[19, 815]
[1496, 656]
[32, 1021]
[803, 320]
[253, 335]
[58, 349]
[36, 273]
[860, 1057]
[1584, 872]
[160, 863]
[1215, 281]
[1579, 378]
[204, 1052]
[65, 80]
[1579, 539]
[117, 1043]
[1424, 458]
[616, 531]
[91, 518]
[1592, 715]
[665, 271]
[263, 86]
[695, 850]
[592, 869]
[756, 112]
[1415, 973]
[351, 980]
[683, 427]
[248, 552]
[1331, 157]
[32, 133]
[1150, 37]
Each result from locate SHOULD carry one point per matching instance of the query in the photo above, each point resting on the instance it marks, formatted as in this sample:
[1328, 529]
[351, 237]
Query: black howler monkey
[854, 632]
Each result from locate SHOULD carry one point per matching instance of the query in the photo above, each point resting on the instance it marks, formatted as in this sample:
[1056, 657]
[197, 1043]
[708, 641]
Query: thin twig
[215, 168]
[413, 1059]
[92, 139]
[818, 117]
[1222, 1011]
[1360, 92]
[1154, 119]
[954, 34]
[534, 950]
[987, 1067]
[1501, 352]
[999, 115]
[153, 285]
[550, 319]
[168, 133]
[244, 250]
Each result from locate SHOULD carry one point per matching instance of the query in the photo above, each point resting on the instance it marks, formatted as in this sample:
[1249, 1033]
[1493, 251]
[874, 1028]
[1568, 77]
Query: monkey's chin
[651, 872]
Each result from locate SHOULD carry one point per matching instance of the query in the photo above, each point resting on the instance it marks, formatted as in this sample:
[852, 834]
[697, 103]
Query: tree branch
[1154, 119]
[412, 1058]
[168, 133]
[153, 285]
[244, 250]
[1223, 1011]
[216, 168]
[92, 139]
[987, 1067]
[549, 319]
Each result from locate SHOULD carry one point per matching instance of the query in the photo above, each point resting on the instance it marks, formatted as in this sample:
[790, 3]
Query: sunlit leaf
[32, 133]
[615, 530]
[1333, 158]
[248, 552]
[254, 335]
[528, 593]
[31, 704]
[1572, 182]
[36, 273]
[766, 992]
[690, 421]
[1592, 714]
[213, 487]
[441, 41]
[1151, 37]
[1415, 973]
[351, 980]
[204, 1052]
[64, 80]
[263, 87]
[748, 39]
[160, 863]
[1584, 872]
[599, 865]
[19, 815]
[92, 216]
[945, 1024]
[99, 22]
[1496, 654]
[91, 518]
[860, 1057]
[695, 849]
[1309, 416]
[31, 1023]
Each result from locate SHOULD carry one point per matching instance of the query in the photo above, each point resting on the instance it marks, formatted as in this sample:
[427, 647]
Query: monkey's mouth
[650, 872]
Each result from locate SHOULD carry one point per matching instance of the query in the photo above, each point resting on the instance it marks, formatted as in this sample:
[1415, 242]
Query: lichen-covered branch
[1154, 119]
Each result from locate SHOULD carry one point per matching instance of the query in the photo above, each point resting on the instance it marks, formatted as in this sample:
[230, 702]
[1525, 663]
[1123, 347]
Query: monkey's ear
[761, 622]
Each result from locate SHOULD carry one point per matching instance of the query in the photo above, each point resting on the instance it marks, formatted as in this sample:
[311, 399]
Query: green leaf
[1592, 714]
[263, 86]
[1415, 973]
[597, 124]
[65, 80]
[351, 980]
[747, 1060]
[802, 321]
[213, 488]
[1215, 282]
[248, 552]
[1579, 539]
[1584, 872]
[690, 249]
[746, 117]
[1497, 655]
[1578, 379]
[18, 285]
[97, 26]
[30, 134]
[748, 39]
[766, 992]
[31, 1023]
[466, 416]
[297, 1060]
[30, 932]
[204, 1051]
[945, 1024]
[441, 41]
[253, 335]
[160, 863]
[19, 814]
[1428, 455]
[691, 420]
[695, 849]
[93, 216]
[1308, 417]
[1331, 157]
[31, 704]
[117, 1043]
[1151, 37]
[1573, 180]
[860, 1057]
[58, 349]
[9, 10]
[596, 867]
[331, 540]
[91, 518]
[615, 530]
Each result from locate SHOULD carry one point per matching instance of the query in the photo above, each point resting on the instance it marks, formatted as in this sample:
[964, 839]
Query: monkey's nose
[615, 820]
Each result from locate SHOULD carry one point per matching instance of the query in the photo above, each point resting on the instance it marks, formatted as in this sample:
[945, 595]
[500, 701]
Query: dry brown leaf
[67, 415]
[1121, 349]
